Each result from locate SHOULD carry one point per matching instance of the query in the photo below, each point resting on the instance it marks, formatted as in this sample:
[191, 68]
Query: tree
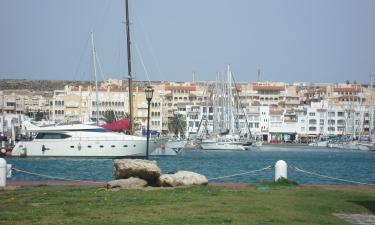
[109, 116]
[177, 124]
[39, 116]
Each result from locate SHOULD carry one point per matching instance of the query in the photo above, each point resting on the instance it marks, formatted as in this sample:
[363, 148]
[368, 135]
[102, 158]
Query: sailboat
[227, 133]
[79, 140]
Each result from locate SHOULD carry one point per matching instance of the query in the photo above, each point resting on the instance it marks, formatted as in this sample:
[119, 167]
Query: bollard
[281, 170]
[3, 172]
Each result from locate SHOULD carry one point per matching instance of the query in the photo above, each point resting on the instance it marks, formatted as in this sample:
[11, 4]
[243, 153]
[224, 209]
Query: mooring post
[3, 172]
[281, 170]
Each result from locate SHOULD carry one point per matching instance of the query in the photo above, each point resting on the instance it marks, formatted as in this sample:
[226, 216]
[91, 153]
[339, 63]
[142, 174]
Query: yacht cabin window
[51, 136]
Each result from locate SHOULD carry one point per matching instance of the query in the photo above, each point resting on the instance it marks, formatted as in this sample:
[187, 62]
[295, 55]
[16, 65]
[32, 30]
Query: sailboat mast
[230, 100]
[96, 78]
[130, 78]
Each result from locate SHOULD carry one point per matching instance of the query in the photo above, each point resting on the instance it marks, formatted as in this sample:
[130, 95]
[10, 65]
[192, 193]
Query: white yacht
[79, 140]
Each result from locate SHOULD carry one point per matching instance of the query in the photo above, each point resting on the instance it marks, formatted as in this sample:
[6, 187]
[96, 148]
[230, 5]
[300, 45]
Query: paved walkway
[55, 183]
[357, 219]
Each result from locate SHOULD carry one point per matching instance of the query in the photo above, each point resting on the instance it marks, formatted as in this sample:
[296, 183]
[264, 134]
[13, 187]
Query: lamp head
[149, 92]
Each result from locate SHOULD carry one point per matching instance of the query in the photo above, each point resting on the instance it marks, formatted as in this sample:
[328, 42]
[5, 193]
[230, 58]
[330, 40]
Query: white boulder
[182, 178]
[144, 169]
[130, 183]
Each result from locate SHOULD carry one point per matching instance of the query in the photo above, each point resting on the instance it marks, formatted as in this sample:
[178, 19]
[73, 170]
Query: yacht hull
[222, 146]
[76, 148]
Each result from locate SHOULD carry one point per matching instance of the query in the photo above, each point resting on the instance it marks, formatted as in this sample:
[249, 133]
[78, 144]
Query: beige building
[76, 103]
[23, 102]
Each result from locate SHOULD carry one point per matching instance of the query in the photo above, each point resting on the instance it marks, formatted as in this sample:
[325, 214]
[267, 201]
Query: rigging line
[100, 22]
[120, 59]
[52, 177]
[142, 62]
[100, 66]
[81, 57]
[240, 174]
[241, 106]
[149, 44]
[329, 177]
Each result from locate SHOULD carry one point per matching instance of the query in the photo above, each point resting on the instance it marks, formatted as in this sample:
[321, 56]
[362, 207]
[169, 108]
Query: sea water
[358, 166]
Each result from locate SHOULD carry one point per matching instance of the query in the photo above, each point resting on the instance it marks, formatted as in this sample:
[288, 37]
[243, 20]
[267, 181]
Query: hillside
[37, 85]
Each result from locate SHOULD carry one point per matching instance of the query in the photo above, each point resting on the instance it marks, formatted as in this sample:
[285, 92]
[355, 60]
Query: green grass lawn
[191, 205]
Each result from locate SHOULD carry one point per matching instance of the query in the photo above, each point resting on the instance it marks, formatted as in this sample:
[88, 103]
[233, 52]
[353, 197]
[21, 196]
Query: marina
[174, 112]
[356, 166]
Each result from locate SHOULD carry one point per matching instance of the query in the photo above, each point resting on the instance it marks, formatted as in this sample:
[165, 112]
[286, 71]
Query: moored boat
[79, 140]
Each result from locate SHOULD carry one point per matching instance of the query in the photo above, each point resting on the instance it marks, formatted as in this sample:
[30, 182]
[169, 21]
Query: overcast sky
[288, 40]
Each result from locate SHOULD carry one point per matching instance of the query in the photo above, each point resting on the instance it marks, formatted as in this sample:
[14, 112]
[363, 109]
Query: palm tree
[177, 124]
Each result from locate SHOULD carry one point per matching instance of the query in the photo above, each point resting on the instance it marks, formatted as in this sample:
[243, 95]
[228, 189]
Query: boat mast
[230, 100]
[130, 78]
[371, 108]
[96, 79]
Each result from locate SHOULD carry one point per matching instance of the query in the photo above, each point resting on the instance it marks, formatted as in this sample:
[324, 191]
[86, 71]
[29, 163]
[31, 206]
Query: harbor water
[356, 166]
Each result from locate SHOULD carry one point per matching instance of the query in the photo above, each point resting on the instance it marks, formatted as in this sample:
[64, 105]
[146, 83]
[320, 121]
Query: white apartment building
[274, 110]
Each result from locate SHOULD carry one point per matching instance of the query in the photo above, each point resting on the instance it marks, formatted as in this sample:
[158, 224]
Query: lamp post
[149, 92]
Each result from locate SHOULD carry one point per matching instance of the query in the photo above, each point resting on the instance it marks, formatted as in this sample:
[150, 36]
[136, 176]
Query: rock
[131, 183]
[182, 178]
[144, 169]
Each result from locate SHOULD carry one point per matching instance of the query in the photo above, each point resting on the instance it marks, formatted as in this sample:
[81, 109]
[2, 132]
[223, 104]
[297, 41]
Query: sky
[318, 41]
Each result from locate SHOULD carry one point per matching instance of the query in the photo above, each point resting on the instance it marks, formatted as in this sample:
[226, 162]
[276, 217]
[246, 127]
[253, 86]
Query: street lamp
[149, 92]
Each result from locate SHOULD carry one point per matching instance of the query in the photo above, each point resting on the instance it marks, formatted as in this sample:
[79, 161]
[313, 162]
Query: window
[341, 122]
[331, 114]
[51, 136]
[312, 128]
[312, 121]
[331, 122]
[311, 114]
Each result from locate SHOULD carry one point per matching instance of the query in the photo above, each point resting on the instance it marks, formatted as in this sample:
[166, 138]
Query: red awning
[118, 125]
